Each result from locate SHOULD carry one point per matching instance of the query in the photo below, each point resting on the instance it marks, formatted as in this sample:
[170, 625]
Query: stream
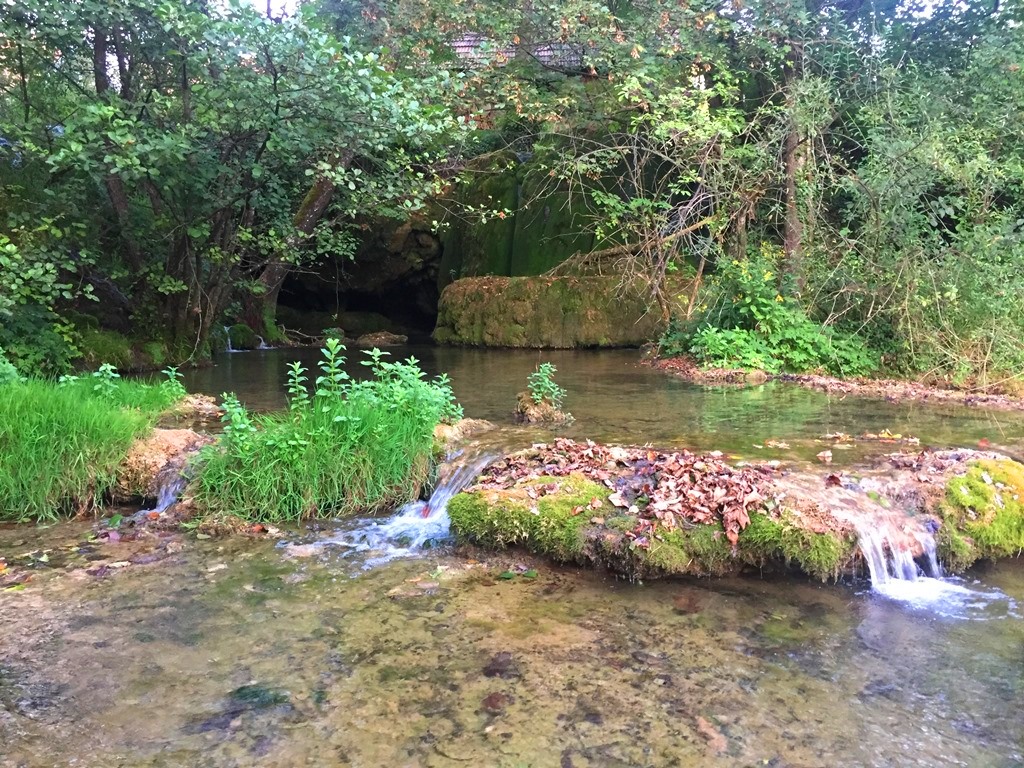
[374, 643]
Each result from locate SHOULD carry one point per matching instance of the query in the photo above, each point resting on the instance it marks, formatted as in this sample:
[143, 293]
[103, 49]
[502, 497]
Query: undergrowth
[746, 323]
[351, 447]
[61, 443]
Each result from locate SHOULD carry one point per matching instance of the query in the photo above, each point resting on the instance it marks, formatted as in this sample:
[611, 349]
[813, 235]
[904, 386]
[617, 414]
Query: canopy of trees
[865, 158]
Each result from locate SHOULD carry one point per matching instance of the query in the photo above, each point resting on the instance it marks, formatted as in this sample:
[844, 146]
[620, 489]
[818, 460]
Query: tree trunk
[115, 186]
[793, 229]
[260, 309]
[793, 158]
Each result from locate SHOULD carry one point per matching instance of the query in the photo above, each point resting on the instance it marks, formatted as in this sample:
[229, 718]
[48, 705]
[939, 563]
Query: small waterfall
[888, 561]
[415, 525]
[227, 335]
[262, 344]
[927, 542]
[895, 574]
[171, 484]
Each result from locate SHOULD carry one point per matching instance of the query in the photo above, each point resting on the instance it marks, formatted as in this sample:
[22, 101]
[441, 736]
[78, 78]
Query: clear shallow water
[230, 654]
[616, 399]
[240, 652]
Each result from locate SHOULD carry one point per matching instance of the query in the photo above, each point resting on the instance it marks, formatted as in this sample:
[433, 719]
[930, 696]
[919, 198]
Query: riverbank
[891, 390]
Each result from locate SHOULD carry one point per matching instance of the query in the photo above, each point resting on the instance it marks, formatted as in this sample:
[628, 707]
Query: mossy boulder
[545, 312]
[243, 337]
[982, 513]
[570, 520]
[98, 346]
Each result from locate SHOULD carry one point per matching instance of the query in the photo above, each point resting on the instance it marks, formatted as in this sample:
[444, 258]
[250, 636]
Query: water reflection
[616, 399]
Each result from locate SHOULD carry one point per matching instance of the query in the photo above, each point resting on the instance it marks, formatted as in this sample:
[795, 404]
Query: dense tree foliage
[191, 153]
[867, 157]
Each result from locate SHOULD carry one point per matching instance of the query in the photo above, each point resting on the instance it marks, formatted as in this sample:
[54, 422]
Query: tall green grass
[352, 447]
[61, 443]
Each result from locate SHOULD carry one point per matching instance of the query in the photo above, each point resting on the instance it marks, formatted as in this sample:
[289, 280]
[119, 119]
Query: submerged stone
[255, 696]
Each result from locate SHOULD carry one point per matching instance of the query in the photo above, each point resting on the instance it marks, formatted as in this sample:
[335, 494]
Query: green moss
[471, 247]
[983, 513]
[555, 529]
[155, 352]
[218, 340]
[98, 346]
[243, 337]
[699, 550]
[821, 555]
[956, 551]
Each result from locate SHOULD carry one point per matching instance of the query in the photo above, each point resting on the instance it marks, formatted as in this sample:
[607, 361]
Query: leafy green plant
[172, 384]
[542, 386]
[353, 446]
[8, 373]
[747, 323]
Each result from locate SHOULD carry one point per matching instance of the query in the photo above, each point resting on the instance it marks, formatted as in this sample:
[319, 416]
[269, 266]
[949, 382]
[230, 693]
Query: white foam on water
[895, 575]
[416, 526]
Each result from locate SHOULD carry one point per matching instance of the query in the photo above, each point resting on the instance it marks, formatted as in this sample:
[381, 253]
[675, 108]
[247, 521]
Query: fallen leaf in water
[217, 567]
[777, 444]
[506, 575]
[825, 457]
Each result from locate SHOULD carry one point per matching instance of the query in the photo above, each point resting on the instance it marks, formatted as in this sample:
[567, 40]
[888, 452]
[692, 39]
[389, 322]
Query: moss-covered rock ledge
[540, 312]
[647, 514]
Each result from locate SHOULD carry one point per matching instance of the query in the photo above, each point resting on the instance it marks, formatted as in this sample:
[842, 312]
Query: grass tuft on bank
[351, 447]
[61, 442]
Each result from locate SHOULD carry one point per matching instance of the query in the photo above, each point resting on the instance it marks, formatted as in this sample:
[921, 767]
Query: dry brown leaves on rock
[669, 490]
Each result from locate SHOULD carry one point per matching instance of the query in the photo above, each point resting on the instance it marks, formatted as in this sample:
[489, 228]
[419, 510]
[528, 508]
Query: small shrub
[746, 323]
[349, 447]
[542, 386]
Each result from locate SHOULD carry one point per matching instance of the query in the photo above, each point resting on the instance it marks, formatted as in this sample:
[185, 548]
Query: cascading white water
[416, 524]
[168, 492]
[896, 575]
[227, 335]
[262, 344]
[887, 561]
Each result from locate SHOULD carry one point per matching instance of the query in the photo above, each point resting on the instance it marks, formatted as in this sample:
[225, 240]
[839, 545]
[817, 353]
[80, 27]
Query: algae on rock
[982, 513]
[552, 312]
[571, 520]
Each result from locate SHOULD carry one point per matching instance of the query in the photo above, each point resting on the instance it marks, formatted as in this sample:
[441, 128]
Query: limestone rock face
[545, 312]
